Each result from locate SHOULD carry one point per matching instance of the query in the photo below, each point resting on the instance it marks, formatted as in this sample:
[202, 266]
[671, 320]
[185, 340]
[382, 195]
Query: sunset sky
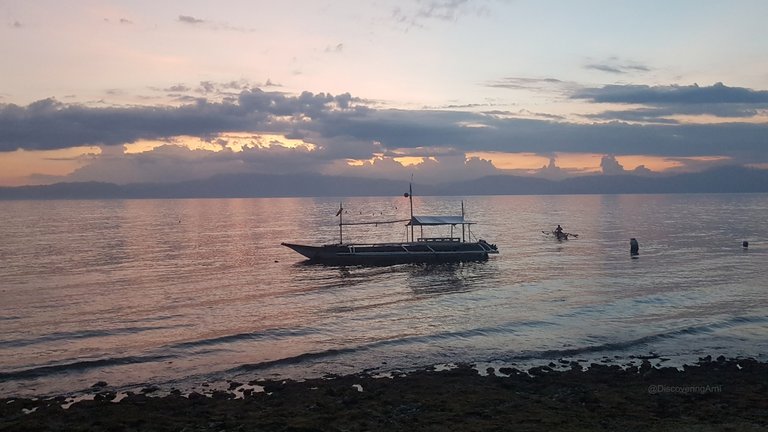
[128, 91]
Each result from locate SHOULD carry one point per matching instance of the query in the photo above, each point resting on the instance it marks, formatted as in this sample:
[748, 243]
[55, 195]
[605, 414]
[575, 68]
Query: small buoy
[745, 244]
[634, 247]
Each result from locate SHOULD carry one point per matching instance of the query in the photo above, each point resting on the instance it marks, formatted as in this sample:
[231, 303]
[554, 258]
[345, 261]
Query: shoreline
[720, 394]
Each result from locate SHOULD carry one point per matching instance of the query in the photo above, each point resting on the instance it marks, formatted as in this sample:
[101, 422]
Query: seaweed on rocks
[725, 394]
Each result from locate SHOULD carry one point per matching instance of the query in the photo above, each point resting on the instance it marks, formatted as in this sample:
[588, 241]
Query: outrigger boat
[414, 250]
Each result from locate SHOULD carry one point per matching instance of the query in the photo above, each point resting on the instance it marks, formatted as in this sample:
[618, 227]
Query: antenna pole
[462, 221]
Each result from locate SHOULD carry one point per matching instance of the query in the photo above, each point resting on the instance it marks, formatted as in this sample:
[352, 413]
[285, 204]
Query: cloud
[616, 66]
[407, 129]
[180, 88]
[345, 127]
[698, 163]
[435, 169]
[210, 25]
[50, 124]
[604, 68]
[528, 113]
[211, 90]
[674, 94]
[642, 115]
[16, 24]
[663, 114]
[611, 166]
[172, 163]
[335, 49]
[445, 10]
[437, 10]
[523, 83]
[642, 170]
[190, 19]
[666, 101]
[206, 87]
[551, 171]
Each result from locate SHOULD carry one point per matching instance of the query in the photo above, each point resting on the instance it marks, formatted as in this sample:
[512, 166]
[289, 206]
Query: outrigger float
[413, 250]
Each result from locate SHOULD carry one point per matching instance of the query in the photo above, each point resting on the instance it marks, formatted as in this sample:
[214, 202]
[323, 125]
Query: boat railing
[352, 246]
[362, 245]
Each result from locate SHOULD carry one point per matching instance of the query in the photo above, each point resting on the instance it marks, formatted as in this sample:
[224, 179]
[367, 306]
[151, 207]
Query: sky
[135, 91]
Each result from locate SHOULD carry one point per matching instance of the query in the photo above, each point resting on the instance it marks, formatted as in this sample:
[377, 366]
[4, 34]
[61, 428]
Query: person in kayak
[559, 232]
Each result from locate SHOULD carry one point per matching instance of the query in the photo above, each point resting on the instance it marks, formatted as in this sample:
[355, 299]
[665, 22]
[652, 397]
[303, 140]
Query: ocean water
[176, 293]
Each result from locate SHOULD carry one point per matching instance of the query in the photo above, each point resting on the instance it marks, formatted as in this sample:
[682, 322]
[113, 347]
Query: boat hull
[395, 253]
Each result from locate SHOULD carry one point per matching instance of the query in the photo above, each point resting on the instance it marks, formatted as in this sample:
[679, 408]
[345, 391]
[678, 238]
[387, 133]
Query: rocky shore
[712, 395]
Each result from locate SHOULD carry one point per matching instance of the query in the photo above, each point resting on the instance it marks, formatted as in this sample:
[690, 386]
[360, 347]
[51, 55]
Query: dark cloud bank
[344, 127]
[50, 124]
[663, 101]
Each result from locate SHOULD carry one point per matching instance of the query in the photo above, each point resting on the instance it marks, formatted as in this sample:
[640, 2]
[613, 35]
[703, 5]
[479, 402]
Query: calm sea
[175, 293]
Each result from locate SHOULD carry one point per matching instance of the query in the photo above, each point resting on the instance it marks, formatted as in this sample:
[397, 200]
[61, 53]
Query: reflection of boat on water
[423, 249]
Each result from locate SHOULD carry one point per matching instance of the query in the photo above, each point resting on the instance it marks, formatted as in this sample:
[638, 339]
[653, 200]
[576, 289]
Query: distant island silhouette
[719, 180]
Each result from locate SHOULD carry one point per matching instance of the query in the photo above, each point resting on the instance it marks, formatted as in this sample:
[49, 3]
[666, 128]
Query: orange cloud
[532, 161]
[512, 160]
[235, 141]
[585, 162]
[411, 160]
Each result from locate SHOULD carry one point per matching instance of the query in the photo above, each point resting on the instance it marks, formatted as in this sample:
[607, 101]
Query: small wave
[79, 366]
[295, 359]
[626, 345]
[81, 334]
[333, 352]
[152, 318]
[709, 327]
[465, 334]
[269, 334]
[529, 355]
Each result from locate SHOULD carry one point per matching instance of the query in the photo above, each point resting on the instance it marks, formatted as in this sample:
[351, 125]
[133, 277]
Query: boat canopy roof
[438, 220]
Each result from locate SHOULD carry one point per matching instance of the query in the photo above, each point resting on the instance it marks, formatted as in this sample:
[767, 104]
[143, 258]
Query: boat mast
[410, 199]
[339, 214]
[462, 221]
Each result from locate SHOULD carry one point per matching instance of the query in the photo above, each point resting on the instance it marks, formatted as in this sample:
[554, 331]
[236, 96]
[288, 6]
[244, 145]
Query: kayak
[560, 235]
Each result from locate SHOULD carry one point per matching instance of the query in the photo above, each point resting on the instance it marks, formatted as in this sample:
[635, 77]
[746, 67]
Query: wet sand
[713, 395]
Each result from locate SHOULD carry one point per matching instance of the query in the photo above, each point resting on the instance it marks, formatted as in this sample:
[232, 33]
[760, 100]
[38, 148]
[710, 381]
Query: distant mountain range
[719, 180]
